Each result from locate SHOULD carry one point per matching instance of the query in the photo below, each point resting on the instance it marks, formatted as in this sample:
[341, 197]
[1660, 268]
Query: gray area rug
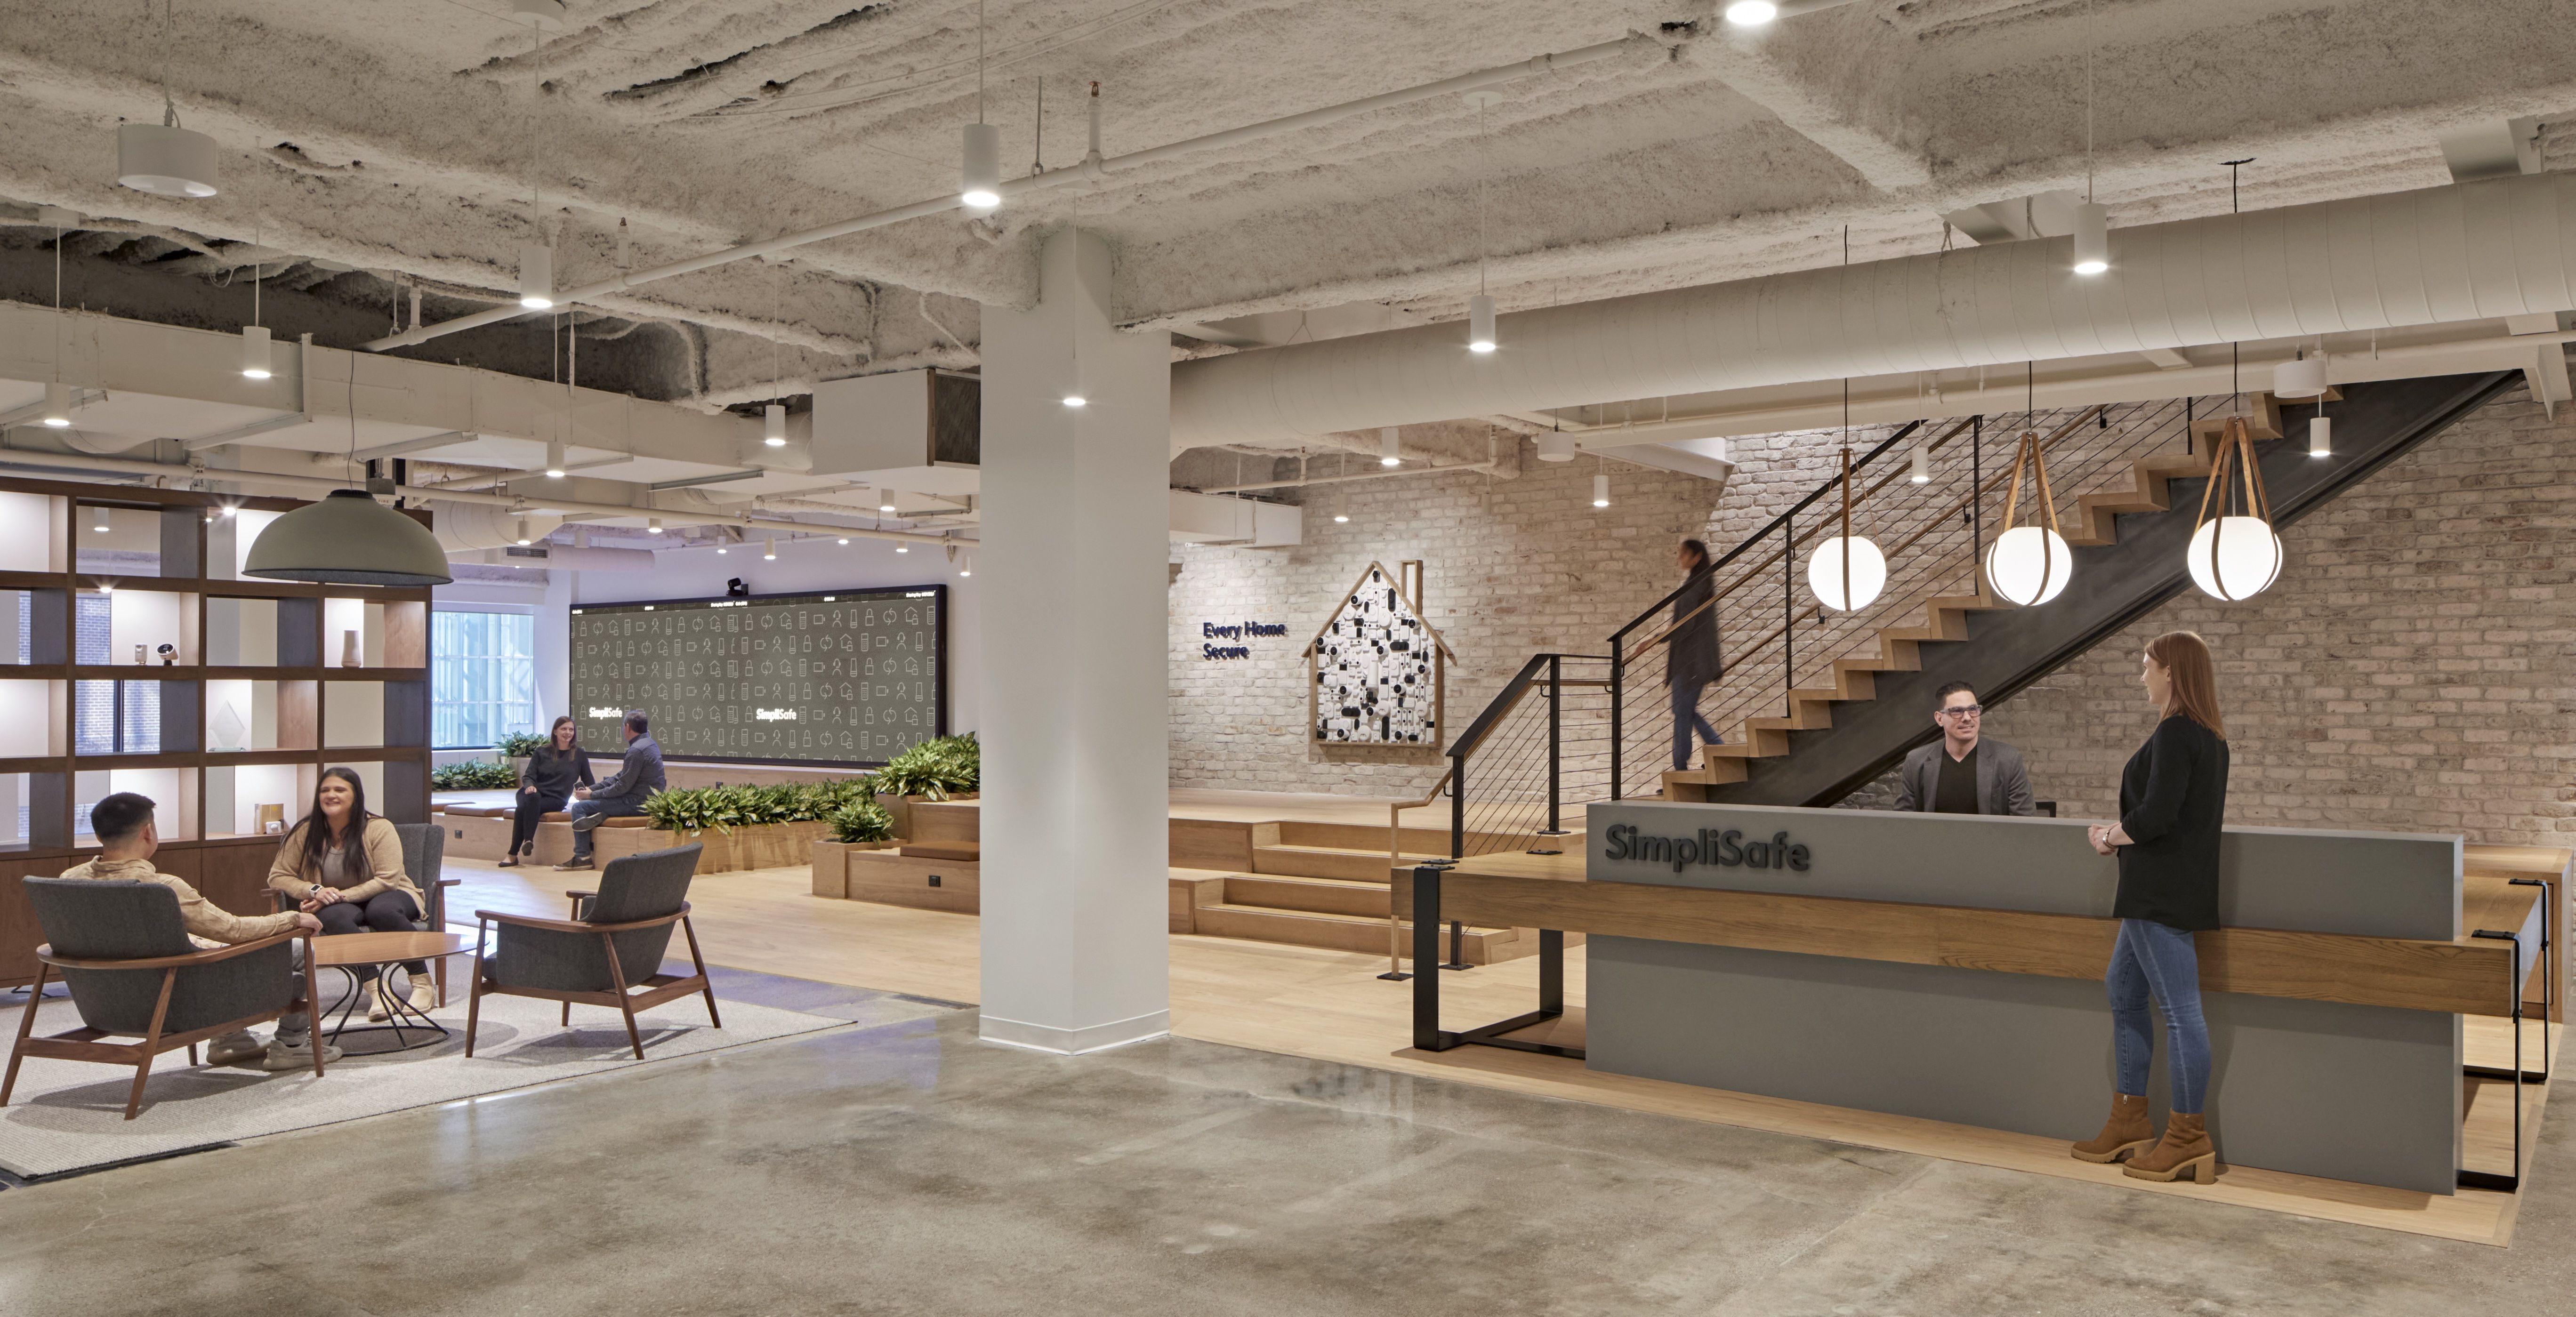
[68, 1116]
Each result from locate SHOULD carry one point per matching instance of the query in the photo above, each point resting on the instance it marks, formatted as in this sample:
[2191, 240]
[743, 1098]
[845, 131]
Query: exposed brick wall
[2412, 670]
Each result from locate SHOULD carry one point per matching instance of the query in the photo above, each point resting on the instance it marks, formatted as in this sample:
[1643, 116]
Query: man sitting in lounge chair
[126, 842]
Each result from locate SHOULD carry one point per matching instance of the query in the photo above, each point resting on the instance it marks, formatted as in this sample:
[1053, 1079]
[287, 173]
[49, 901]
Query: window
[482, 677]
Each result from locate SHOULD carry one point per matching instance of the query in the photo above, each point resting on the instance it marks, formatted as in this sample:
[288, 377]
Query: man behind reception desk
[1964, 772]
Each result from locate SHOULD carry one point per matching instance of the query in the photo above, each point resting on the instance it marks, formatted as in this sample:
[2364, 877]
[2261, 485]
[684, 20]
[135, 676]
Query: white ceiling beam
[1739, 60]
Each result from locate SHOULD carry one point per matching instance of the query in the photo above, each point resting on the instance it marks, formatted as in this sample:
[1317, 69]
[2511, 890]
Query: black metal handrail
[1542, 670]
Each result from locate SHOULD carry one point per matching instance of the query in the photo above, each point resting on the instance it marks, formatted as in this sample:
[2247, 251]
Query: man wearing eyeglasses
[1964, 772]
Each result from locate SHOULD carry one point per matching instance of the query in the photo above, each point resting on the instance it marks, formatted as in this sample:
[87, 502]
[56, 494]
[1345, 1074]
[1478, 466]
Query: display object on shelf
[350, 655]
[139, 660]
[169, 655]
[1378, 667]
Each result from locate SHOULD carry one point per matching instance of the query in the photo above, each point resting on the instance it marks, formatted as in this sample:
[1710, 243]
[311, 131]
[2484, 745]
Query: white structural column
[1073, 614]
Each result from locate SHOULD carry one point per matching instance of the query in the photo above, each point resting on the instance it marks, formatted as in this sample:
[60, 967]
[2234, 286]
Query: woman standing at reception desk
[2173, 799]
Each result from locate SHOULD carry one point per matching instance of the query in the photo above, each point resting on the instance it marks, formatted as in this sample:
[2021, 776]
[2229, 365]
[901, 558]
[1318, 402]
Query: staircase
[1325, 885]
[1868, 702]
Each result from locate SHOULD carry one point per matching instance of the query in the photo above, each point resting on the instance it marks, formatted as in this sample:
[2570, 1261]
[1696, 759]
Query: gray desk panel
[2369, 884]
[2358, 1093]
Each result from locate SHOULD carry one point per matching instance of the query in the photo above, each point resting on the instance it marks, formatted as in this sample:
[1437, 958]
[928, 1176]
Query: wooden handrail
[575, 926]
[208, 956]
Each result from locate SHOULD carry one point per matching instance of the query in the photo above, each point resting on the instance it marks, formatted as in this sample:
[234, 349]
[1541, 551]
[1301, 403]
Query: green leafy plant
[723, 808]
[861, 821]
[520, 745]
[472, 775]
[938, 768]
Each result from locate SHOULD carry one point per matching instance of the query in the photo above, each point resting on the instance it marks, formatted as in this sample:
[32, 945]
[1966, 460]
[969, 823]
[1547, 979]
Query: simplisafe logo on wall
[774, 715]
[1236, 631]
[598, 712]
[1709, 846]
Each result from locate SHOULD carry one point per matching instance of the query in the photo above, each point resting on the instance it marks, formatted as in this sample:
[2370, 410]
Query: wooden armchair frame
[657, 987]
[83, 1044]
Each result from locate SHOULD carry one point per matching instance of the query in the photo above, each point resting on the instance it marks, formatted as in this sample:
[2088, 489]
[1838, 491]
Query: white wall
[804, 566]
[150, 618]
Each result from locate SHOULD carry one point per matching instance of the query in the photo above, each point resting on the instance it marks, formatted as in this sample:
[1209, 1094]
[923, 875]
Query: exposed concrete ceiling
[399, 138]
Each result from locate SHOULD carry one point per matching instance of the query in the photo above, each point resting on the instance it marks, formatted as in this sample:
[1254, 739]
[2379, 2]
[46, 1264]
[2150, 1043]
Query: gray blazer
[2003, 785]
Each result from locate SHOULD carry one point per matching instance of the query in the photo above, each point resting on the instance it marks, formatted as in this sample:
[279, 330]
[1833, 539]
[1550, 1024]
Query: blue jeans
[1687, 719]
[2159, 959]
[611, 806]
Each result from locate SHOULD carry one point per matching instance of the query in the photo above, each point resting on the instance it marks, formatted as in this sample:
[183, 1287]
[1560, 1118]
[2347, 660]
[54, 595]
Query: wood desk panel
[2465, 977]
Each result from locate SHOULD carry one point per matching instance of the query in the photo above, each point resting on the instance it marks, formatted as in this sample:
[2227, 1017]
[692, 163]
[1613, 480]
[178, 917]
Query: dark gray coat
[640, 775]
[1692, 647]
[2003, 785]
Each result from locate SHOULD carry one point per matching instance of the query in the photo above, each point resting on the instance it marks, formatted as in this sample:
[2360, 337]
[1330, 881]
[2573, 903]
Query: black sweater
[2173, 797]
[554, 774]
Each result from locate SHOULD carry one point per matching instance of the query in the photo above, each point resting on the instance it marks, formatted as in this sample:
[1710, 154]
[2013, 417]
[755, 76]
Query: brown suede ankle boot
[2127, 1131]
[2184, 1151]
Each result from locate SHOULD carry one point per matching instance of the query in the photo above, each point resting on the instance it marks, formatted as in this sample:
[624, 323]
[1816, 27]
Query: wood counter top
[2468, 976]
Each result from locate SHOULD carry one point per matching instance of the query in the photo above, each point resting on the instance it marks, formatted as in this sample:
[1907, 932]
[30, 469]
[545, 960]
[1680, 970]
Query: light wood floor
[1329, 1005]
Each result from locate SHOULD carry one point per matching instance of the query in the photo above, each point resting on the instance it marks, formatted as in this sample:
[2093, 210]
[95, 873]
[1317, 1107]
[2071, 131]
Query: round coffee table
[350, 952]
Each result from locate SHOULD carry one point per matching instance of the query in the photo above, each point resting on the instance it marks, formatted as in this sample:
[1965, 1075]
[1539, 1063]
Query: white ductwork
[2468, 251]
[467, 527]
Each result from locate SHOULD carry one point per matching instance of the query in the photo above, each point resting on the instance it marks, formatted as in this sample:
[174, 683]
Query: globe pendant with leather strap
[2234, 555]
[2029, 565]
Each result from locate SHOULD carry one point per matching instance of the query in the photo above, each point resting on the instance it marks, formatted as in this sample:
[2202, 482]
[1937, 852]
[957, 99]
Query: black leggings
[532, 811]
[384, 912]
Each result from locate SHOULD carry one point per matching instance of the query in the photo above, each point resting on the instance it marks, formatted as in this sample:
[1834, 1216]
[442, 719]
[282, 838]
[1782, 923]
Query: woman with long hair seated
[344, 866]
[546, 784]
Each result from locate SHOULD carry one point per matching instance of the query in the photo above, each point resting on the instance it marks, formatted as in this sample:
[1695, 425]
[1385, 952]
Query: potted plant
[859, 824]
[515, 749]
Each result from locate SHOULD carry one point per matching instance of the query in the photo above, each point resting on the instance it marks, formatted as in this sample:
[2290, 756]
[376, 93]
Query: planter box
[832, 865]
[887, 878]
[764, 846]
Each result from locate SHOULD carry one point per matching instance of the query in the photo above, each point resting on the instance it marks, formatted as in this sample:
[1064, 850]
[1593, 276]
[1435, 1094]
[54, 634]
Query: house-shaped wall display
[1378, 669]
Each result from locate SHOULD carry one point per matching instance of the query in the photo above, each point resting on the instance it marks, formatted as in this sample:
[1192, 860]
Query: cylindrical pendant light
[536, 276]
[521, 534]
[554, 459]
[966, 565]
[902, 547]
[652, 525]
[773, 425]
[1556, 446]
[2320, 435]
[2092, 238]
[1480, 323]
[1922, 465]
[58, 404]
[845, 539]
[1388, 454]
[255, 352]
[769, 549]
[98, 519]
[981, 172]
[885, 500]
[2303, 378]
[165, 160]
[1601, 489]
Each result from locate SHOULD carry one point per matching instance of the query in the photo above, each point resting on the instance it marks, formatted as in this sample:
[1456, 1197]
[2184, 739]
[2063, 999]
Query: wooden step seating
[482, 832]
[1300, 883]
[1945, 621]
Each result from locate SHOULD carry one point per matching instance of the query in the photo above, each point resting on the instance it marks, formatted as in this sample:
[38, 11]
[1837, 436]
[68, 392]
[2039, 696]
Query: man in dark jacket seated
[623, 795]
[1966, 771]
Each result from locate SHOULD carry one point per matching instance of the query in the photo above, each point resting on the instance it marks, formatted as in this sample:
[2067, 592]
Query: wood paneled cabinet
[135, 656]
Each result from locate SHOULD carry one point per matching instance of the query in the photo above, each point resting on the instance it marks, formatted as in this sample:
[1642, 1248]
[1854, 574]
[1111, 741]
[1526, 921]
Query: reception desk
[1948, 967]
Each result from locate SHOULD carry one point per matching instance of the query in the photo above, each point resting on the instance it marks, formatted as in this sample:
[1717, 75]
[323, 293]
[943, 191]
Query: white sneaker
[297, 1055]
[238, 1046]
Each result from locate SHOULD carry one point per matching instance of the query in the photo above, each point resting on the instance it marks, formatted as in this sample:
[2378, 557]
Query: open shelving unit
[264, 684]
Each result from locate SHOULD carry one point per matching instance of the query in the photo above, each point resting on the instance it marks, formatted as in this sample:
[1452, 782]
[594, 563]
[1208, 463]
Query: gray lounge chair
[608, 954]
[133, 972]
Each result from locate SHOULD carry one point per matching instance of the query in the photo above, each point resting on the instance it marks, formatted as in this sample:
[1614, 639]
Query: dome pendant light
[1847, 572]
[2234, 555]
[980, 174]
[348, 539]
[2092, 221]
[2029, 565]
[1388, 454]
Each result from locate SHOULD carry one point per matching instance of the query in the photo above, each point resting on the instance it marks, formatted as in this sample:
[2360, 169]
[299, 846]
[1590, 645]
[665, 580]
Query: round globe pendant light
[1847, 571]
[2235, 554]
[2029, 565]
[348, 539]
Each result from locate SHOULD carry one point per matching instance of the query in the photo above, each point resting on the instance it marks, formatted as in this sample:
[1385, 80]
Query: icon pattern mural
[1376, 672]
[845, 678]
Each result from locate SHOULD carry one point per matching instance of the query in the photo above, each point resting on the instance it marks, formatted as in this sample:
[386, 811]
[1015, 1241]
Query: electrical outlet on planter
[934, 880]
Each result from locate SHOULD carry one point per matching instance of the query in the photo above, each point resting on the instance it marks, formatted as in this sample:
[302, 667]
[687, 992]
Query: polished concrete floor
[901, 1166]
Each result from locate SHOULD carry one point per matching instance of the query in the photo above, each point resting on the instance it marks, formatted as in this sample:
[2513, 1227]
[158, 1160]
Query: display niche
[1378, 668]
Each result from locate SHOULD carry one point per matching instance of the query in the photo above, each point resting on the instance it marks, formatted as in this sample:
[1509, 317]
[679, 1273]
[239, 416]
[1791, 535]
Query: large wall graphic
[842, 678]
[1377, 670]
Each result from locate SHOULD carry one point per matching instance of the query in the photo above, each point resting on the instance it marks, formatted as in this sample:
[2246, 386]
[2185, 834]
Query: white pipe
[2468, 251]
[1091, 169]
[323, 485]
